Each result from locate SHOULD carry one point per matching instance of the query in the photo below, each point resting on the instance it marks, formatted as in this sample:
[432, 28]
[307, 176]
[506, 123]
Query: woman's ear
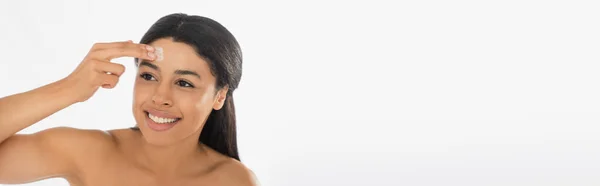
[220, 98]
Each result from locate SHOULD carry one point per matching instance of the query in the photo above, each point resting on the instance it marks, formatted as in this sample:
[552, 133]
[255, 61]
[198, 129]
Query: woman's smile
[160, 121]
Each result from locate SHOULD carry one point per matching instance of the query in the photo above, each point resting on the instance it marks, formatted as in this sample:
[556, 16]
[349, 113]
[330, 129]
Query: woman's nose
[161, 100]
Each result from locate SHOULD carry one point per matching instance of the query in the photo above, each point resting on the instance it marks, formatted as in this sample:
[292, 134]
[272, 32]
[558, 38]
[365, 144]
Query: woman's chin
[155, 138]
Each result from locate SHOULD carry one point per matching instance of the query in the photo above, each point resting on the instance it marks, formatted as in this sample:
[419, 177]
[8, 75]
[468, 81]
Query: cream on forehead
[159, 53]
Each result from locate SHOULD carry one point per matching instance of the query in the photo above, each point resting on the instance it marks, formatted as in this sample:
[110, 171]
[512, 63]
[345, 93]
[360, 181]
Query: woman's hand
[96, 70]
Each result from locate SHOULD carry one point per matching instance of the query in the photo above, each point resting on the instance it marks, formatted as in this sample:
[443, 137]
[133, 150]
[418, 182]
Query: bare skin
[122, 156]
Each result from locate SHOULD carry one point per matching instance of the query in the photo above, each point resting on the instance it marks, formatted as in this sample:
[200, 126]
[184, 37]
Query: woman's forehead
[178, 54]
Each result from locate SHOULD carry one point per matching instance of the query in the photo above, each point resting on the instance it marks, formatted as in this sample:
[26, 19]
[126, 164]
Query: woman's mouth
[158, 123]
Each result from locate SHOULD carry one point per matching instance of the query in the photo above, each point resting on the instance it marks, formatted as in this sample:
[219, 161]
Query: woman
[183, 106]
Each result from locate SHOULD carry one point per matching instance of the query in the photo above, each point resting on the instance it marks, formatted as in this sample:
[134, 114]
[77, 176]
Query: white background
[360, 93]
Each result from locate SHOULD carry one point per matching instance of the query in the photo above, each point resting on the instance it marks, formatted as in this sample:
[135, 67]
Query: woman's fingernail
[149, 48]
[151, 55]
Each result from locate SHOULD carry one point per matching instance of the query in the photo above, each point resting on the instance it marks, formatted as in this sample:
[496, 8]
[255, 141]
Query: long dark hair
[218, 46]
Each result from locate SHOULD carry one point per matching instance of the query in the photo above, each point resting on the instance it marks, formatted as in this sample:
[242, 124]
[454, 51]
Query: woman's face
[173, 97]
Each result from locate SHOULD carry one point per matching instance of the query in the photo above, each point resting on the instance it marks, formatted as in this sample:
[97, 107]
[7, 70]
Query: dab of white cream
[159, 53]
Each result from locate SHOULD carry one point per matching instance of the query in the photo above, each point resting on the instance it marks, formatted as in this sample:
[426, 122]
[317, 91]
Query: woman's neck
[170, 159]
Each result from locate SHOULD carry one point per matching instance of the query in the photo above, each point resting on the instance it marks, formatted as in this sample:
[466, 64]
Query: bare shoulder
[54, 152]
[229, 171]
[232, 172]
[78, 143]
[76, 137]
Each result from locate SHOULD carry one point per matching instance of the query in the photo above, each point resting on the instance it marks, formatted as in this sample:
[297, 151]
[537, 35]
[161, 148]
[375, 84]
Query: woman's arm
[55, 152]
[32, 157]
[27, 157]
[22, 110]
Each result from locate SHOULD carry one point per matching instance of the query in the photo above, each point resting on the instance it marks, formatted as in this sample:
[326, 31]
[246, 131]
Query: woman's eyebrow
[148, 64]
[187, 72]
[178, 72]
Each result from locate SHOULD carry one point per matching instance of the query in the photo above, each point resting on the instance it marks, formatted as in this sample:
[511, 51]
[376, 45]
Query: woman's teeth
[157, 119]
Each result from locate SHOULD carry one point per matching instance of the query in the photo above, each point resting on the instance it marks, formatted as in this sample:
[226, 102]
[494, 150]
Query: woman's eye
[185, 84]
[147, 77]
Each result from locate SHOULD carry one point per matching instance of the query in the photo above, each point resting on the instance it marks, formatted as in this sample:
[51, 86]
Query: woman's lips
[161, 114]
[159, 127]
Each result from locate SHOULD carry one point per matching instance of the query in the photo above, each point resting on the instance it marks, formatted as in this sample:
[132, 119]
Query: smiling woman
[185, 131]
[203, 59]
